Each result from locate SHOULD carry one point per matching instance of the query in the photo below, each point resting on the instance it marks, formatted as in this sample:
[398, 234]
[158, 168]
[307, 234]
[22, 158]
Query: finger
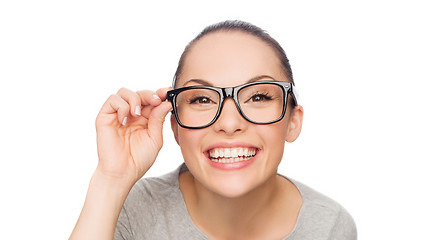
[133, 100]
[116, 104]
[162, 93]
[146, 111]
[156, 120]
[149, 98]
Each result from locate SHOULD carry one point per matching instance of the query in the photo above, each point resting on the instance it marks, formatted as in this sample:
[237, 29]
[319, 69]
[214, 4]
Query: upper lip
[230, 145]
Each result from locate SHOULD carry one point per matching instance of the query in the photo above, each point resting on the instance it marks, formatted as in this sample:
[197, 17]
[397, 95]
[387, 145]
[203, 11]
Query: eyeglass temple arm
[295, 94]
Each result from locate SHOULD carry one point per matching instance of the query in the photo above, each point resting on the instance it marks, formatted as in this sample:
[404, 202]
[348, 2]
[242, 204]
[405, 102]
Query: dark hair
[245, 27]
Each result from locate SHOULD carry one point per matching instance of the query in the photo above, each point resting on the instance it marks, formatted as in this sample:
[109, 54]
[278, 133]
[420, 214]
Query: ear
[174, 126]
[295, 124]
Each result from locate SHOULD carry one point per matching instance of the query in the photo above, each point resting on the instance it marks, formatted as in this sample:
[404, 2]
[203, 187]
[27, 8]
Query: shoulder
[154, 189]
[323, 218]
[152, 204]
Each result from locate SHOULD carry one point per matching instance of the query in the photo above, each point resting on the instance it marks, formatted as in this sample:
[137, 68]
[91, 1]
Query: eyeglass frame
[232, 92]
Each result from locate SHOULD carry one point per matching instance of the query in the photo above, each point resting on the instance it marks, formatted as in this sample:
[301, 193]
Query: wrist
[104, 201]
[111, 185]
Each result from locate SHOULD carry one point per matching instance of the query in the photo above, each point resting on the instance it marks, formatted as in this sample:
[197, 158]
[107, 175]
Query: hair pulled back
[245, 27]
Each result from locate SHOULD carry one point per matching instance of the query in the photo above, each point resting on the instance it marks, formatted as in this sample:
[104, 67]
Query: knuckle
[122, 90]
[125, 107]
[98, 121]
[162, 120]
[112, 97]
[146, 92]
[135, 99]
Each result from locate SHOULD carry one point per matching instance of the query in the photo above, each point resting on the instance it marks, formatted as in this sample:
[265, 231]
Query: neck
[221, 217]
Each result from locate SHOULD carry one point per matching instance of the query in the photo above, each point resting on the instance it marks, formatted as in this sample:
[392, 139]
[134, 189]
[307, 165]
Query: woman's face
[228, 59]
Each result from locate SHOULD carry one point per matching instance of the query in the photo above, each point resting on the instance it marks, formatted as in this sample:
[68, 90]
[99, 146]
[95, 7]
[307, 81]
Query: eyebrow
[207, 83]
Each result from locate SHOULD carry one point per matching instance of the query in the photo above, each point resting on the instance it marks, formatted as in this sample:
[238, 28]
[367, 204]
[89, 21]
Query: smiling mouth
[231, 155]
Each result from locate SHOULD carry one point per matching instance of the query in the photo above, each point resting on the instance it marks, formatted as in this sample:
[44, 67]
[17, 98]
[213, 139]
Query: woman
[234, 107]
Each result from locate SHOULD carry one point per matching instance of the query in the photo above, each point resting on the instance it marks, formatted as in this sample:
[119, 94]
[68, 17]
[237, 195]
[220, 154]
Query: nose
[230, 121]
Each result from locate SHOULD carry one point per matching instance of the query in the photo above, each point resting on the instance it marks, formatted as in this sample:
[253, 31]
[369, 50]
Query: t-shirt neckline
[183, 206]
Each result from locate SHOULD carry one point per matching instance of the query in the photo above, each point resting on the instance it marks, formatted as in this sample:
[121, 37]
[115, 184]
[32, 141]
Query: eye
[260, 98]
[200, 100]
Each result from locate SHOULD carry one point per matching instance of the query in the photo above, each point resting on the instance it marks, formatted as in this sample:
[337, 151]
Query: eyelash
[263, 95]
[194, 99]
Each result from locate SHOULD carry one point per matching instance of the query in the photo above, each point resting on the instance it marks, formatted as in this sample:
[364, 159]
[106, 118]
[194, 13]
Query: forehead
[229, 59]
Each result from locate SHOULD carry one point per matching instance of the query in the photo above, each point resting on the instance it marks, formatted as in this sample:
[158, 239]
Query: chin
[232, 180]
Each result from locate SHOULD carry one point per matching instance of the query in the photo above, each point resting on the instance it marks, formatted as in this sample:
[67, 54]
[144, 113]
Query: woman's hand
[129, 133]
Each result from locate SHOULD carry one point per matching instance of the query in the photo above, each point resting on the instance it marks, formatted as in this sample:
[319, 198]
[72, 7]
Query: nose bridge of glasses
[228, 92]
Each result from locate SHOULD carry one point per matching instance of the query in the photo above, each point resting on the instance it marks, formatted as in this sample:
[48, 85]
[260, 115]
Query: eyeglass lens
[260, 103]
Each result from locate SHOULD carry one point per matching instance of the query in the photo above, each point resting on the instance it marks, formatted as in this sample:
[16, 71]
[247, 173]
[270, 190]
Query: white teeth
[227, 152]
[240, 153]
[229, 155]
[245, 152]
[234, 152]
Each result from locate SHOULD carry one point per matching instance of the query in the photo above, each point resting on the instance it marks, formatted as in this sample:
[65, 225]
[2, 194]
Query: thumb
[156, 120]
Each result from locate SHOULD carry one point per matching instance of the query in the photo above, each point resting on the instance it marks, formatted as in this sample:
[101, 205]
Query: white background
[360, 68]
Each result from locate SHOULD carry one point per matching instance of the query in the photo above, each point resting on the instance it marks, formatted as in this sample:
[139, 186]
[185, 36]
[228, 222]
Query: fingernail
[155, 96]
[124, 121]
[138, 110]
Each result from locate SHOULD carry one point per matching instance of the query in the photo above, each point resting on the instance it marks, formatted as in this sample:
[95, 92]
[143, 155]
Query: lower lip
[232, 166]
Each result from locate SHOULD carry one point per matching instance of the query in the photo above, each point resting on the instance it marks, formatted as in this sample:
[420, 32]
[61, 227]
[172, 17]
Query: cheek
[274, 133]
[274, 137]
[190, 142]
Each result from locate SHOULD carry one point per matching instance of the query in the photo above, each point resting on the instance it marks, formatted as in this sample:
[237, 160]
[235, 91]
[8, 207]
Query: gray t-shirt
[155, 209]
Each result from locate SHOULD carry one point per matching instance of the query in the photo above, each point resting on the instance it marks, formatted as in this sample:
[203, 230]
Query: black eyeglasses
[198, 107]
